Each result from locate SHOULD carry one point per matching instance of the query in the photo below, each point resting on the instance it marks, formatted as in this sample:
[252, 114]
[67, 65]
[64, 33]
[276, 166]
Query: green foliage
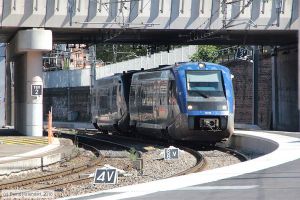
[66, 64]
[110, 53]
[206, 53]
[133, 154]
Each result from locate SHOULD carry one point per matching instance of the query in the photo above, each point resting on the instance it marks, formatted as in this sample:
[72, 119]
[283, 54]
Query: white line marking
[288, 150]
[232, 187]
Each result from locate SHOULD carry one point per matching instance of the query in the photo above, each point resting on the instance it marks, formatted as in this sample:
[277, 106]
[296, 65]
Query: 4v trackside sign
[106, 175]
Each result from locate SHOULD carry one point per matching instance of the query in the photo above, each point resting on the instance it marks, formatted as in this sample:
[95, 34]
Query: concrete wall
[67, 78]
[68, 104]
[287, 62]
[265, 92]
[2, 84]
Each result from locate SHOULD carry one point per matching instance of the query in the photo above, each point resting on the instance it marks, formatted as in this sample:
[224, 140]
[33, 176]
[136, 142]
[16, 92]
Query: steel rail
[199, 166]
[200, 160]
[61, 173]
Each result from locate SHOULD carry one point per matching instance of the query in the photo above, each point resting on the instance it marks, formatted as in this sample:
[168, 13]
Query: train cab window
[205, 83]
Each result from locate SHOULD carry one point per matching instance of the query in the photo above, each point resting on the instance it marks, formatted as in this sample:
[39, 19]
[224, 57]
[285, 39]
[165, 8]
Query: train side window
[114, 91]
[138, 96]
[132, 93]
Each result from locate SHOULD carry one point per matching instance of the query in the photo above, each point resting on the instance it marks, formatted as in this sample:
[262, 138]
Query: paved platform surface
[12, 143]
[275, 176]
[18, 153]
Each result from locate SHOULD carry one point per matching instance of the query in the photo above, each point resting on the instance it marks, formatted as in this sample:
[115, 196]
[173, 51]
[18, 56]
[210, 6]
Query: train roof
[176, 66]
[188, 65]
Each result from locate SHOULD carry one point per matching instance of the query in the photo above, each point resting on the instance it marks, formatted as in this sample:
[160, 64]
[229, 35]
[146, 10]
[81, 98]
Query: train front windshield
[205, 84]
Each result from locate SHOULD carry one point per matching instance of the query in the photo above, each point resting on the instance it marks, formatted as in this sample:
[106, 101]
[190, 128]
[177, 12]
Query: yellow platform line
[19, 139]
[13, 138]
[31, 142]
[20, 143]
[24, 142]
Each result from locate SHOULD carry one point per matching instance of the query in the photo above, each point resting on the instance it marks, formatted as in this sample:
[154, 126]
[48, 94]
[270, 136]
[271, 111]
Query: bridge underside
[167, 36]
[274, 37]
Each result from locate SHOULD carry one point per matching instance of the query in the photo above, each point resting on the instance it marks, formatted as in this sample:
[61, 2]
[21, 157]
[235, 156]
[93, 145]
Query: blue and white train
[187, 101]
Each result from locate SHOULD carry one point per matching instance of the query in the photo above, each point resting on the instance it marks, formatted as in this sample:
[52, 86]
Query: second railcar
[110, 96]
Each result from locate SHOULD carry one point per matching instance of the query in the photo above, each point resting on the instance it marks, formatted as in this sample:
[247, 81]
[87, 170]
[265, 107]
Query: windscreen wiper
[200, 93]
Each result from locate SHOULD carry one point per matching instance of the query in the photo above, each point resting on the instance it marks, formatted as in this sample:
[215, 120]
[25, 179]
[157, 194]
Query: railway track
[94, 141]
[81, 141]
[125, 141]
[61, 173]
[199, 164]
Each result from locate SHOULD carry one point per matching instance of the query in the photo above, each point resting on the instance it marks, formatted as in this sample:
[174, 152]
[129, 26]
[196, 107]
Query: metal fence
[82, 77]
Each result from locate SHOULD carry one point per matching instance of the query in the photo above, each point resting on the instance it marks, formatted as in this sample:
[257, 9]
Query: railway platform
[18, 153]
[274, 175]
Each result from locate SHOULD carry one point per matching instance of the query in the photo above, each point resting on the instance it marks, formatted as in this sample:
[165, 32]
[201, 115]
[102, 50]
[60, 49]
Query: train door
[120, 101]
[163, 103]
[115, 105]
[170, 99]
[139, 101]
[173, 109]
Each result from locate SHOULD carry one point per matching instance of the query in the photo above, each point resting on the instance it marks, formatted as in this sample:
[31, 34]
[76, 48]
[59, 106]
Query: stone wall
[242, 83]
[243, 88]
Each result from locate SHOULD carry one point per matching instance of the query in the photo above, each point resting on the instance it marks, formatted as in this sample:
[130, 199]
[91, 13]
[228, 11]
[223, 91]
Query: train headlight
[201, 65]
[224, 107]
[190, 107]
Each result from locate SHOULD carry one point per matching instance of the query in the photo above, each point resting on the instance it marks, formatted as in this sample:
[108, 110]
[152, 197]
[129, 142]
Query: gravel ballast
[154, 168]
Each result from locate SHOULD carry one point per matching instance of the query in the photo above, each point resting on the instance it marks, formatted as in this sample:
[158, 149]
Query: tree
[111, 53]
[206, 53]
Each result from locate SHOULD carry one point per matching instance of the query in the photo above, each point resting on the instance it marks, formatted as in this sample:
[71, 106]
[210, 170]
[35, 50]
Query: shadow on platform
[9, 132]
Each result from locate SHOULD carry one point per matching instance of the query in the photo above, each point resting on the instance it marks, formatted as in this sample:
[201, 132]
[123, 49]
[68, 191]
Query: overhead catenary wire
[209, 34]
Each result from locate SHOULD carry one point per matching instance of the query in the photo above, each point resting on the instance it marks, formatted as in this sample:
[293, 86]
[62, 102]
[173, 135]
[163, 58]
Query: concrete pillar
[33, 104]
[2, 84]
[8, 95]
[299, 76]
[27, 48]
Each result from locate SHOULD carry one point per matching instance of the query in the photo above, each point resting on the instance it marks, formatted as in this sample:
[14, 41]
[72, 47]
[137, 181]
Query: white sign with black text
[36, 90]
[171, 153]
[242, 54]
